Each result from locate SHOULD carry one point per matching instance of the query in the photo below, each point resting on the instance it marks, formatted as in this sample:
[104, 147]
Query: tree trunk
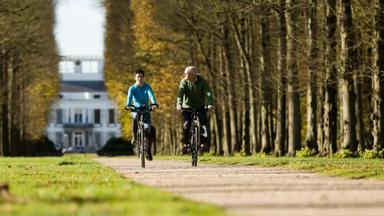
[348, 43]
[378, 80]
[272, 128]
[244, 46]
[2, 90]
[282, 89]
[4, 106]
[265, 88]
[330, 100]
[311, 137]
[357, 82]
[229, 70]
[320, 123]
[225, 112]
[245, 121]
[293, 85]
[12, 108]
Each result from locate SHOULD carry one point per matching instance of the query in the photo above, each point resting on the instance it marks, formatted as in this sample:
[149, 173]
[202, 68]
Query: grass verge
[355, 168]
[76, 185]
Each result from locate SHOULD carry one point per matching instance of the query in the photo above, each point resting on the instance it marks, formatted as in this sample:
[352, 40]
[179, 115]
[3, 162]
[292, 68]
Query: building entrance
[78, 139]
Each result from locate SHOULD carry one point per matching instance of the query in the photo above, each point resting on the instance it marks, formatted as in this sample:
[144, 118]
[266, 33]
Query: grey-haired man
[194, 92]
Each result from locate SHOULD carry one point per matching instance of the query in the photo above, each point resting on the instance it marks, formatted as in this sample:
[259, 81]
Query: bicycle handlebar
[149, 108]
[192, 110]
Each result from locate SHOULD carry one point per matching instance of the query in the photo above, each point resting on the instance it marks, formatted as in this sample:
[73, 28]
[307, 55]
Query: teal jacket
[140, 95]
[194, 94]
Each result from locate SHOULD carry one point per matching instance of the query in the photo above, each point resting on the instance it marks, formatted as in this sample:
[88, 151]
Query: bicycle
[195, 133]
[141, 137]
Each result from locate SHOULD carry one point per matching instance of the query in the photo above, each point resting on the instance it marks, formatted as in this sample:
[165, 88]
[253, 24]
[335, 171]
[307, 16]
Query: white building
[83, 115]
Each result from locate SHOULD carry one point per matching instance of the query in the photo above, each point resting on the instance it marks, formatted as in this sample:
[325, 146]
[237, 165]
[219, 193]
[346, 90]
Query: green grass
[76, 185]
[344, 167]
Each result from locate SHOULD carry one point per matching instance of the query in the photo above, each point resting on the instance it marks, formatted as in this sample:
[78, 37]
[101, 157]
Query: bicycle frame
[195, 138]
[142, 140]
[195, 134]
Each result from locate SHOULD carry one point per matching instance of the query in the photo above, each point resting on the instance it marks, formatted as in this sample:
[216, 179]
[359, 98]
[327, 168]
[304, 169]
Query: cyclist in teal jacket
[139, 94]
[194, 92]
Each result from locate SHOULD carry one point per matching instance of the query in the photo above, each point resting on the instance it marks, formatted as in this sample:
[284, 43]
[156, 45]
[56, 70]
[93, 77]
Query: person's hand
[178, 107]
[210, 108]
[154, 107]
[129, 107]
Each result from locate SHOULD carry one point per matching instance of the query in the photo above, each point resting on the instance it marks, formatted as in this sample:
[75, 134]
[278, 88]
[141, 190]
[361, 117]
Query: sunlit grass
[76, 185]
[346, 167]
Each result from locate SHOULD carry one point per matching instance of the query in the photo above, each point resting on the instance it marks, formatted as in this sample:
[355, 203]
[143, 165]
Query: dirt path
[258, 191]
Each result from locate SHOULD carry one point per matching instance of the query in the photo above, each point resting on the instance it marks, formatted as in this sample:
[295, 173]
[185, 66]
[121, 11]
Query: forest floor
[254, 190]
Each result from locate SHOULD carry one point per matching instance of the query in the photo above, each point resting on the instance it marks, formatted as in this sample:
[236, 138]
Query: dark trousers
[204, 132]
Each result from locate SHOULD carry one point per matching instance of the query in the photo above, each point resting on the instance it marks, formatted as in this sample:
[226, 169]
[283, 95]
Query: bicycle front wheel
[142, 150]
[194, 145]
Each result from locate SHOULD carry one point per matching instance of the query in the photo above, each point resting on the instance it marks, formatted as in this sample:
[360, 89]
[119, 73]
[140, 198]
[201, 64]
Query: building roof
[82, 86]
[80, 58]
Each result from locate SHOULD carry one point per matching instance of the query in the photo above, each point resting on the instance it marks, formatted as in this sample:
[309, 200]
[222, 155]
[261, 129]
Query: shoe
[204, 131]
[185, 150]
[149, 156]
[203, 148]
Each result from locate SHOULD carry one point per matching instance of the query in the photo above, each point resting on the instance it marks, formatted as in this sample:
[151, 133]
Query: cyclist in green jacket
[194, 92]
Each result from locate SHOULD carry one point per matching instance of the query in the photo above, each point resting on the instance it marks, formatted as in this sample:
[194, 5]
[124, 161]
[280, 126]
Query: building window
[59, 116]
[97, 116]
[90, 67]
[96, 96]
[69, 116]
[79, 139]
[78, 116]
[111, 116]
[66, 67]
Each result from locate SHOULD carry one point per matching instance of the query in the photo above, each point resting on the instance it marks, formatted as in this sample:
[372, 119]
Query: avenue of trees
[286, 74]
[28, 72]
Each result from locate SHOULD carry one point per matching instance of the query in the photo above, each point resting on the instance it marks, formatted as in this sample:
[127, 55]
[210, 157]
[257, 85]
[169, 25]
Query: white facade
[83, 115]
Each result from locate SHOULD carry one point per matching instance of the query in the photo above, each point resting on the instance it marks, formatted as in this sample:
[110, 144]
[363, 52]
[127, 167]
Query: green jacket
[194, 94]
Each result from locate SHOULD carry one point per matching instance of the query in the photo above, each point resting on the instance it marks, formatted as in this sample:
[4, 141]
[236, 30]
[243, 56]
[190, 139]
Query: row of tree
[286, 74]
[29, 76]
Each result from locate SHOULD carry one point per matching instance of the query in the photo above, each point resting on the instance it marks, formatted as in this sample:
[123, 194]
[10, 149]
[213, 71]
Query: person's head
[139, 76]
[190, 73]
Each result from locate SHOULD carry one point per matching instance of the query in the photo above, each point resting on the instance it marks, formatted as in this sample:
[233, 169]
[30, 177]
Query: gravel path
[246, 190]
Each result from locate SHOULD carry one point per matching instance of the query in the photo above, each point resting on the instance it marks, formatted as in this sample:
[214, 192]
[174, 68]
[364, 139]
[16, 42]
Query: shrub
[306, 152]
[261, 155]
[371, 154]
[344, 153]
[116, 146]
[43, 147]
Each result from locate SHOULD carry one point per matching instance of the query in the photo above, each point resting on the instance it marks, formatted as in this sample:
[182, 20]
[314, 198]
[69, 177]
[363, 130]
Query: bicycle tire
[142, 150]
[137, 152]
[194, 145]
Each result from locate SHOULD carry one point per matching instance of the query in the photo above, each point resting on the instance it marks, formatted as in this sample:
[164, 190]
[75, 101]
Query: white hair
[191, 70]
